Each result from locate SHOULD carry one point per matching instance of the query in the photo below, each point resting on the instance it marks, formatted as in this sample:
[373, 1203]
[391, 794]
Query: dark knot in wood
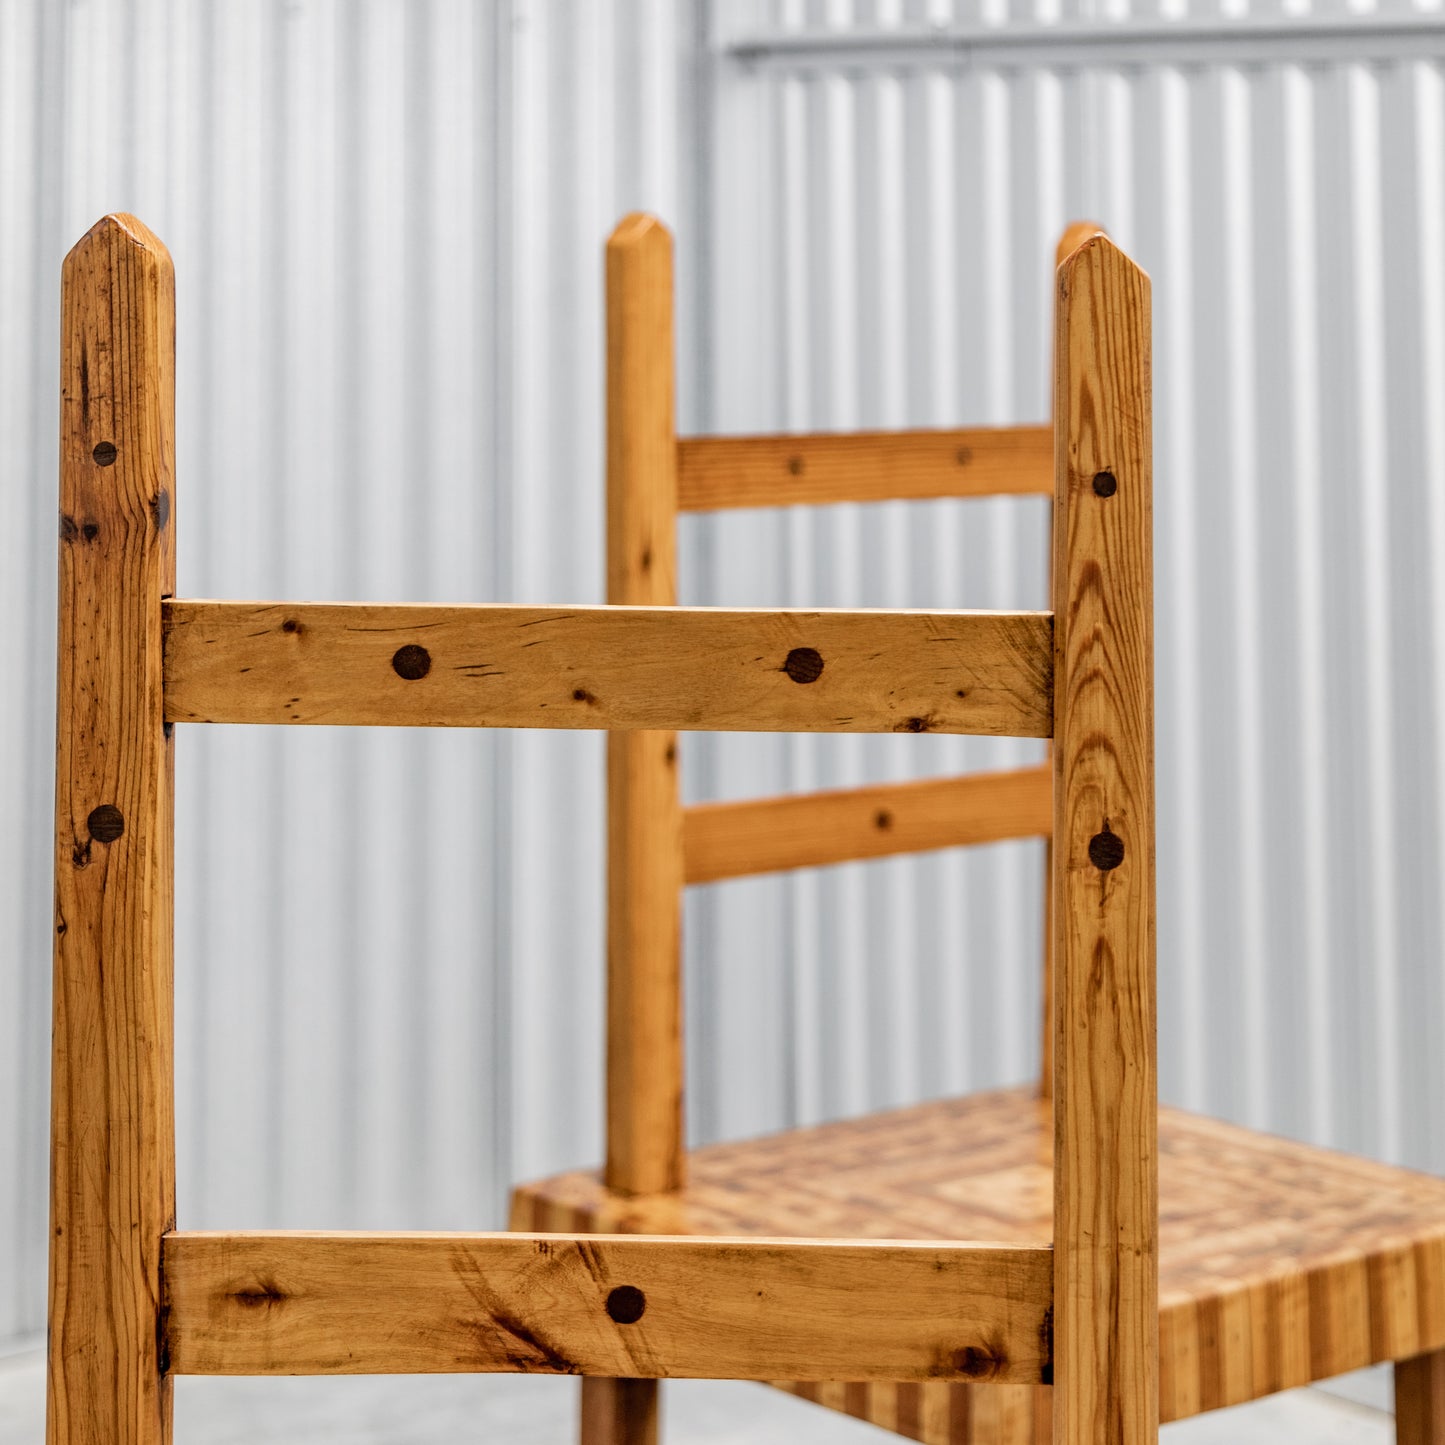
[795, 466]
[411, 662]
[105, 823]
[804, 664]
[1106, 849]
[980, 1362]
[626, 1303]
[883, 818]
[1105, 484]
[964, 456]
[104, 454]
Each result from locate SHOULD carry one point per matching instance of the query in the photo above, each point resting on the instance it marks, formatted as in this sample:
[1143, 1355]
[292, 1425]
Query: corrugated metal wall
[891, 180]
[387, 221]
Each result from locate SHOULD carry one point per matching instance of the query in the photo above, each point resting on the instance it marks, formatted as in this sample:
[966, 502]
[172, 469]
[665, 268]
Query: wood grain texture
[608, 667]
[644, 807]
[644, 810]
[1420, 1400]
[643, 1308]
[809, 830]
[821, 467]
[112, 1192]
[1279, 1263]
[619, 1412]
[1075, 234]
[1105, 1089]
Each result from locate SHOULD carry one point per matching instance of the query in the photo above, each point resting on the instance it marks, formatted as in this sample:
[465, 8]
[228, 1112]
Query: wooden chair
[135, 1301]
[1278, 1264]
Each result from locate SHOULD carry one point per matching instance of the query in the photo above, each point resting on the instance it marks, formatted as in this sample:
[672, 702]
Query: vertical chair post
[1075, 234]
[112, 1191]
[644, 813]
[1420, 1400]
[1106, 1313]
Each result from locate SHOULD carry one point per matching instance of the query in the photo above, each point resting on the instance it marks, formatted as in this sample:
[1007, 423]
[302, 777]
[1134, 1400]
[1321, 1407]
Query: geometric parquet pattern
[1279, 1263]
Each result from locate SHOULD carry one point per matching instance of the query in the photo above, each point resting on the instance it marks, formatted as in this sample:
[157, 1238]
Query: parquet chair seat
[1279, 1263]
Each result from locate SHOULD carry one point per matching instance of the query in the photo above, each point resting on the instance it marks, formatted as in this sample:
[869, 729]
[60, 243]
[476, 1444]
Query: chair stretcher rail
[810, 830]
[714, 472]
[608, 1305]
[609, 667]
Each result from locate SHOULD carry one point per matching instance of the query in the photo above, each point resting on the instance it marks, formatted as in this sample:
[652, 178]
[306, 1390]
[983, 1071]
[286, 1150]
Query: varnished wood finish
[808, 830]
[789, 470]
[1420, 1400]
[608, 667]
[619, 1412]
[1279, 1263]
[644, 806]
[1105, 1090]
[644, 811]
[655, 1308]
[1075, 234]
[1073, 237]
[112, 1183]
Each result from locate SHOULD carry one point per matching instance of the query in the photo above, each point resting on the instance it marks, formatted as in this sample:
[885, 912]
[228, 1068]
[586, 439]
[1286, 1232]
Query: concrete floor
[450, 1409]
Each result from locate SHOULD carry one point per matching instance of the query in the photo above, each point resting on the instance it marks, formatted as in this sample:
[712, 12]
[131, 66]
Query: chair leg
[1420, 1400]
[619, 1412]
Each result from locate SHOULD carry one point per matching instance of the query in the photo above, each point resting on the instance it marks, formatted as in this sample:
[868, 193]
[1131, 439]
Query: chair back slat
[286, 1303]
[715, 472]
[622, 668]
[844, 825]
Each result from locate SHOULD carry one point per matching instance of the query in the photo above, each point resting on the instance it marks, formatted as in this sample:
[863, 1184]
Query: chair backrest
[656, 846]
[135, 1301]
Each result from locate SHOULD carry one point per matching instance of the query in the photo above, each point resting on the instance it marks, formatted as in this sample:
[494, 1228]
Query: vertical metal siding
[1287, 212]
[387, 221]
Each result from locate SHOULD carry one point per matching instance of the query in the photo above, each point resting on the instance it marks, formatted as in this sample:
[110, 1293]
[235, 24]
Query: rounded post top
[116, 227]
[638, 228]
[1075, 234]
[1097, 248]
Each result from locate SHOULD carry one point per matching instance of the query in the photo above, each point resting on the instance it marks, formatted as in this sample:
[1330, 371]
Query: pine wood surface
[1279, 1263]
[1105, 1086]
[644, 808]
[283, 1303]
[822, 467]
[609, 667]
[1420, 1400]
[618, 1412]
[112, 1132]
[1075, 234]
[809, 830]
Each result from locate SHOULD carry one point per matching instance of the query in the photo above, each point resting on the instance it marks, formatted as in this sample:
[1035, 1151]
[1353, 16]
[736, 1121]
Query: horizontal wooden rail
[876, 466]
[636, 1307]
[609, 667]
[809, 830]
